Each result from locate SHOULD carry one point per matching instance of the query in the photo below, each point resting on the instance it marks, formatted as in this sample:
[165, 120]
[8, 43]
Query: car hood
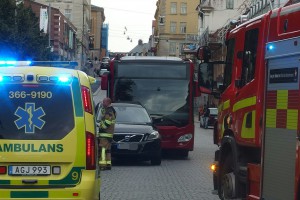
[133, 128]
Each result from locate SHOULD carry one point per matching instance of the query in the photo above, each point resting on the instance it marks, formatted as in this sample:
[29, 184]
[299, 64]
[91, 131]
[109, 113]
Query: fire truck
[257, 130]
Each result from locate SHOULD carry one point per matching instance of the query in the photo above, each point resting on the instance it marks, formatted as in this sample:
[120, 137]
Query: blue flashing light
[7, 63]
[1, 78]
[11, 62]
[64, 78]
[270, 47]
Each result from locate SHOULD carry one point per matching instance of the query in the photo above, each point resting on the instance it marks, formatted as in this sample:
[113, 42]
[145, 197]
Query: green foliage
[20, 36]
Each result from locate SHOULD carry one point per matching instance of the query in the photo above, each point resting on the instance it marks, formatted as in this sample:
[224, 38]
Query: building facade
[176, 28]
[79, 13]
[62, 39]
[104, 40]
[95, 41]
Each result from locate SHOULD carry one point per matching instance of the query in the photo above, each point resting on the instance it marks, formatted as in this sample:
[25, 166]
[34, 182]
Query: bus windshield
[163, 90]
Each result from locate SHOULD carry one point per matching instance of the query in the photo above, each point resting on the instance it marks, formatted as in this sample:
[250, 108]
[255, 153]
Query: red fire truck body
[257, 129]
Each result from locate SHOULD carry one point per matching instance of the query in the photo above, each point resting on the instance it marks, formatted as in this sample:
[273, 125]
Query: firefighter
[106, 131]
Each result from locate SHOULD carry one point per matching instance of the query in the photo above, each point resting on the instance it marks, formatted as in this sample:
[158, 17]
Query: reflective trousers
[105, 155]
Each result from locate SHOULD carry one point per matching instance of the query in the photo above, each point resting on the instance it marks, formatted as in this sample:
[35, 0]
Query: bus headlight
[154, 135]
[185, 138]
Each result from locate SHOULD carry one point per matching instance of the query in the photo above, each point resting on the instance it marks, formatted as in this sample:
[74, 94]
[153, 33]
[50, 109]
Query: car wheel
[184, 153]
[156, 160]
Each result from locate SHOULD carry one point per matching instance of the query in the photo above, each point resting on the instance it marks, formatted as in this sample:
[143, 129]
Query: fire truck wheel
[227, 180]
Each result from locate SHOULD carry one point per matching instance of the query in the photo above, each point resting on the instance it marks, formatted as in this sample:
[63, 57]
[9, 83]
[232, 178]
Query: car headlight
[185, 138]
[154, 135]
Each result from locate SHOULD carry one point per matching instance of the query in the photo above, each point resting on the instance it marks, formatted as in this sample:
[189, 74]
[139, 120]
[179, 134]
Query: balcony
[213, 40]
[206, 6]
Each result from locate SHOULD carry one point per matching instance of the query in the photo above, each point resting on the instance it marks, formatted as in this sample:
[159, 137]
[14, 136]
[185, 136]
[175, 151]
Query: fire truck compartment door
[280, 139]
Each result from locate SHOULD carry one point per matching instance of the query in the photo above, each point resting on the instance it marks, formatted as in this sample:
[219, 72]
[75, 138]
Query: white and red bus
[164, 85]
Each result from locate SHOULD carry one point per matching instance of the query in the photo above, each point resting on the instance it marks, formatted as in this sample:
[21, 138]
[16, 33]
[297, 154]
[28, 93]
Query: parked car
[211, 119]
[135, 135]
[104, 63]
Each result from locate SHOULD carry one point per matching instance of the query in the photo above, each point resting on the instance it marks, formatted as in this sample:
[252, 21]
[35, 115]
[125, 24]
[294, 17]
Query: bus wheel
[228, 179]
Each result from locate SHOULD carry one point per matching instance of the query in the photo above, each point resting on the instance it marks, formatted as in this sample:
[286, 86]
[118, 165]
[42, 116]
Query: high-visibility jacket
[107, 122]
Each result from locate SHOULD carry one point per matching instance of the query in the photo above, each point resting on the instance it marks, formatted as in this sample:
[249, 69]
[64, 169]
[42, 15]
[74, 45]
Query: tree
[20, 36]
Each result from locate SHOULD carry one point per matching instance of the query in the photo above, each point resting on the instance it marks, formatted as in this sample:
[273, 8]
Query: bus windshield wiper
[160, 118]
[175, 121]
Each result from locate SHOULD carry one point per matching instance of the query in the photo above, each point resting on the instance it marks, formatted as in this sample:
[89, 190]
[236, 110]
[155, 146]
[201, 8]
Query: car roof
[127, 104]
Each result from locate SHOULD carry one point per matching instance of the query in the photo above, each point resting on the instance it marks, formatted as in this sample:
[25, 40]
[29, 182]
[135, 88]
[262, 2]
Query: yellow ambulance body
[48, 147]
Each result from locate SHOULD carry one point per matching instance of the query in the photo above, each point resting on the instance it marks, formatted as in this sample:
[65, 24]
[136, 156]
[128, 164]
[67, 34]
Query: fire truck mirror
[204, 53]
[205, 75]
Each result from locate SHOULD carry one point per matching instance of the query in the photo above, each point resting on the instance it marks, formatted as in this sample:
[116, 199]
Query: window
[229, 4]
[182, 27]
[172, 48]
[47, 118]
[249, 58]
[161, 20]
[173, 27]
[183, 8]
[173, 7]
[229, 63]
[68, 14]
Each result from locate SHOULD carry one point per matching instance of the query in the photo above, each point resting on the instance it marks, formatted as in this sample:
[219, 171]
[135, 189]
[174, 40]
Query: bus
[164, 85]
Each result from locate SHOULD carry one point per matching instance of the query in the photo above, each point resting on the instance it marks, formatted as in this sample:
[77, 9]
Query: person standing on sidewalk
[106, 131]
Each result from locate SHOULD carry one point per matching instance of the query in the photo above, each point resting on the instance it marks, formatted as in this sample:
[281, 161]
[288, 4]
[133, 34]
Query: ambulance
[48, 147]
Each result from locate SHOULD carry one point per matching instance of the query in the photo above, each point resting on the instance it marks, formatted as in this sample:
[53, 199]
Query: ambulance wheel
[227, 180]
[99, 195]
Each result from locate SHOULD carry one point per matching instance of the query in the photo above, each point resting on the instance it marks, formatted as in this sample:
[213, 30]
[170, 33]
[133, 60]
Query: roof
[128, 104]
[141, 48]
[151, 58]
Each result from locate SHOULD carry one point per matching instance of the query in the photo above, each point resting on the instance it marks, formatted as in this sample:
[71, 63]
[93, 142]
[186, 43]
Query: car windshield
[105, 59]
[213, 111]
[130, 115]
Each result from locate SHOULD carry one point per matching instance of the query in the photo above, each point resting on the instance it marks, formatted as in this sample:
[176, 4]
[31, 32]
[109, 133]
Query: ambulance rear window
[35, 112]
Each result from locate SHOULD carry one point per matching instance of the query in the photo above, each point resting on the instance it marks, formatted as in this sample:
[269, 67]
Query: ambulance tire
[227, 179]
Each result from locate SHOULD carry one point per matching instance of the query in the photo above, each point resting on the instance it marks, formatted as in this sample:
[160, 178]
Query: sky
[128, 20]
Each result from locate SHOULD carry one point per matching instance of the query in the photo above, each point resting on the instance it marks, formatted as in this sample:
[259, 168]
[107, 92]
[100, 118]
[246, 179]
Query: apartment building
[62, 39]
[79, 13]
[95, 42]
[176, 28]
